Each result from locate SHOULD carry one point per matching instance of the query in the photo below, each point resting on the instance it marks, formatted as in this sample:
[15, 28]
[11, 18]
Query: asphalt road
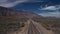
[33, 29]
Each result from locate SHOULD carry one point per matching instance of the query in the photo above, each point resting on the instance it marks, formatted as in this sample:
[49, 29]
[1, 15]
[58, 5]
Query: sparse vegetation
[9, 24]
[50, 24]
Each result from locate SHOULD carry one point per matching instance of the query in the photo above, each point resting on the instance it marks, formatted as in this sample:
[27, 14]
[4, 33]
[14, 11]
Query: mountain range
[7, 12]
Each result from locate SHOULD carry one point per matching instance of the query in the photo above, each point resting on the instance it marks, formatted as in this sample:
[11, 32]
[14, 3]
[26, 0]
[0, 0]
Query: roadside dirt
[23, 29]
[43, 30]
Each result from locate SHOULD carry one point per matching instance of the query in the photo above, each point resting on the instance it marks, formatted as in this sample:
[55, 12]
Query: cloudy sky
[45, 8]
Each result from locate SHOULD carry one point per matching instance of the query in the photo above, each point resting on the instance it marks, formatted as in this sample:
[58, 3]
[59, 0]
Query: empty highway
[33, 29]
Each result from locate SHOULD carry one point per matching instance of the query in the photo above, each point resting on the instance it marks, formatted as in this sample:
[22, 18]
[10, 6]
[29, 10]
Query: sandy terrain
[43, 30]
[23, 30]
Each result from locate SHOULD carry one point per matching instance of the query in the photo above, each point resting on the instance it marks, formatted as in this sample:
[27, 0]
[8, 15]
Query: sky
[45, 8]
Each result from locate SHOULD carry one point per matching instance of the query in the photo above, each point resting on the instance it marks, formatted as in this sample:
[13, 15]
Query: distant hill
[11, 20]
[15, 13]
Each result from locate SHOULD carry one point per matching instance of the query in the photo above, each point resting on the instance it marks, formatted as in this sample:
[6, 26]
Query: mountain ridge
[10, 12]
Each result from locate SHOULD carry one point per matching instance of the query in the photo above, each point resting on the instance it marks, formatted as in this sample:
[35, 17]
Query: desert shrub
[11, 25]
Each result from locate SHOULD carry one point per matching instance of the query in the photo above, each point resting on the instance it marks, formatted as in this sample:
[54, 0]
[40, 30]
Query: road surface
[33, 29]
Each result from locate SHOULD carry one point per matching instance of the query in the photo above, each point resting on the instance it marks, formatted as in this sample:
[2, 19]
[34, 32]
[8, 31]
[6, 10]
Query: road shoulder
[44, 31]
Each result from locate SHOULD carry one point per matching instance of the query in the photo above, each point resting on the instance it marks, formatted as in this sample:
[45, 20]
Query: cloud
[36, 1]
[51, 8]
[6, 3]
[52, 14]
[1, 1]
[10, 3]
[55, 11]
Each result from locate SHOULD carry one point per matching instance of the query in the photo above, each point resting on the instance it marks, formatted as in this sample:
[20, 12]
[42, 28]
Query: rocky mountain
[10, 20]
[15, 13]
